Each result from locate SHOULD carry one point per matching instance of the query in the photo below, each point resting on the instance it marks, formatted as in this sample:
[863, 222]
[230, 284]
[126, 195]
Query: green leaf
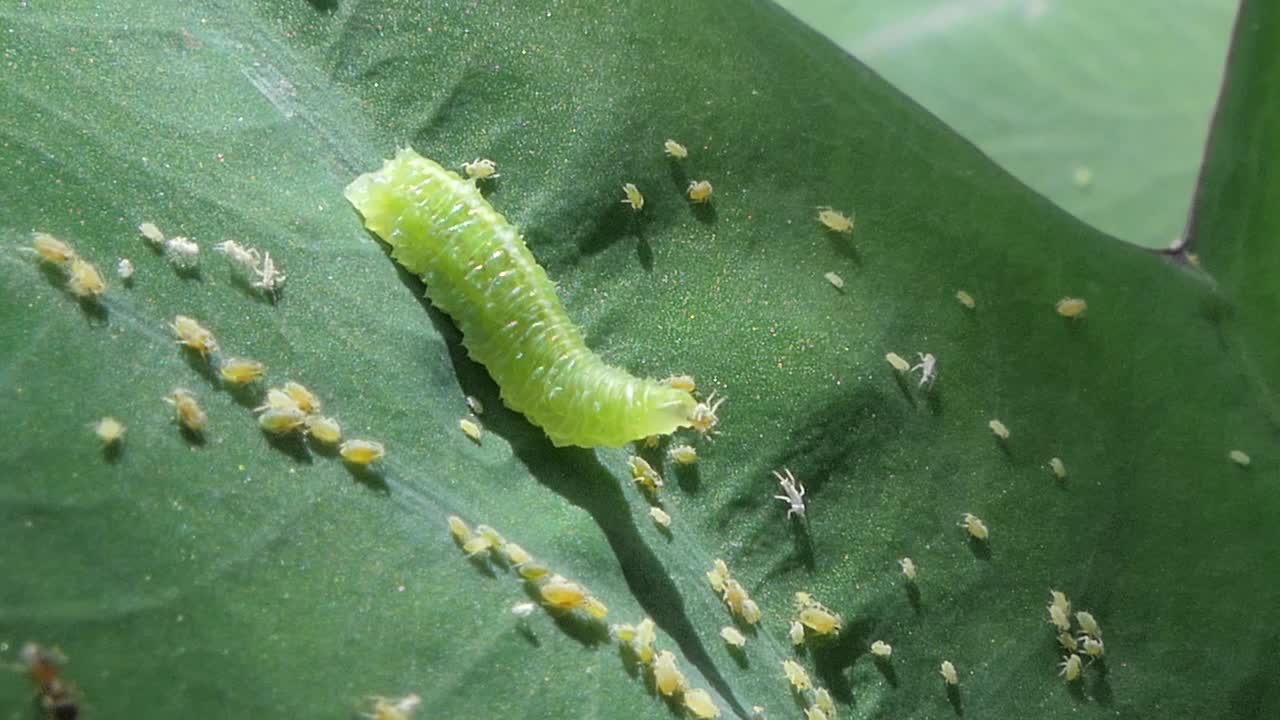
[244, 576]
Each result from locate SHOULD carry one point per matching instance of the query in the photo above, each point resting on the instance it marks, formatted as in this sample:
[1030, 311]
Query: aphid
[882, 649]
[666, 676]
[699, 702]
[699, 192]
[683, 454]
[193, 335]
[1092, 647]
[796, 633]
[794, 493]
[474, 405]
[1058, 467]
[493, 536]
[188, 411]
[633, 198]
[523, 610]
[681, 382]
[471, 429]
[563, 594]
[836, 281]
[813, 712]
[151, 234]
[1088, 624]
[477, 545]
[757, 712]
[241, 371]
[948, 673]
[640, 638]
[643, 474]
[596, 609]
[392, 709]
[243, 259]
[835, 220]
[1239, 457]
[660, 517]
[124, 269]
[458, 529]
[109, 431]
[517, 324]
[928, 367]
[306, 400]
[1070, 668]
[1058, 618]
[268, 278]
[481, 169]
[675, 149]
[1082, 176]
[1067, 642]
[718, 575]
[820, 620]
[44, 667]
[734, 594]
[822, 699]
[181, 253]
[908, 568]
[84, 281]
[362, 452]
[895, 360]
[998, 429]
[1059, 600]
[975, 527]
[277, 399]
[515, 554]
[966, 299]
[704, 418]
[749, 612]
[51, 249]
[796, 674]
[733, 636]
[533, 571]
[1069, 307]
[279, 421]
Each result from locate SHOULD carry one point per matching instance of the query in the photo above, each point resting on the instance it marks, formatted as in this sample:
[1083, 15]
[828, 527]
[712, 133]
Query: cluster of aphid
[812, 619]
[699, 191]
[83, 279]
[735, 596]
[928, 367]
[1086, 644]
[668, 680]
[180, 252]
[818, 704]
[44, 666]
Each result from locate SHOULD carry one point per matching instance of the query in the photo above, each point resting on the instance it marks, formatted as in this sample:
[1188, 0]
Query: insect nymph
[479, 271]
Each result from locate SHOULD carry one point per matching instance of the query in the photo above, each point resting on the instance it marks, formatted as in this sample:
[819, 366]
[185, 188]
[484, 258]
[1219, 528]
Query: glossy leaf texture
[248, 576]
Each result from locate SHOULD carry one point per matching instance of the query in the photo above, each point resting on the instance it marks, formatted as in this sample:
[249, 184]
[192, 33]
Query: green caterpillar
[479, 271]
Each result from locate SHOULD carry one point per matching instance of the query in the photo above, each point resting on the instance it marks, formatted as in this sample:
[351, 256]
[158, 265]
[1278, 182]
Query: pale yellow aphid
[1059, 599]
[998, 429]
[881, 649]
[515, 554]
[533, 571]
[124, 269]
[1058, 467]
[633, 198]
[643, 474]
[1092, 646]
[699, 192]
[704, 418]
[699, 703]
[563, 594]
[471, 429]
[1088, 624]
[241, 371]
[1067, 642]
[151, 234]
[683, 454]
[835, 220]
[796, 633]
[306, 400]
[836, 281]
[681, 382]
[109, 431]
[733, 636]
[481, 169]
[948, 673]
[820, 620]
[1082, 176]
[908, 568]
[1239, 457]
[645, 635]
[666, 676]
[1058, 618]
[897, 362]
[324, 429]
[477, 545]
[1069, 307]
[474, 405]
[458, 529]
[51, 249]
[194, 335]
[84, 281]
[675, 149]
[822, 699]
[749, 612]
[966, 299]
[796, 674]
[1070, 668]
[596, 609]
[975, 527]
[279, 421]
[390, 709]
[717, 575]
[660, 517]
[813, 712]
[188, 411]
[362, 452]
[734, 594]
[182, 253]
[493, 536]
[277, 399]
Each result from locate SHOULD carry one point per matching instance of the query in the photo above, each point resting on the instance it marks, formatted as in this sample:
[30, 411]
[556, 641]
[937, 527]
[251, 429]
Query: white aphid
[633, 198]
[1082, 176]
[481, 169]
[881, 649]
[675, 149]
[699, 191]
[908, 568]
[523, 610]
[733, 636]
[1058, 467]
[1058, 618]
[244, 259]
[1059, 600]
[474, 405]
[835, 220]
[796, 633]
[1070, 307]
[836, 281]
[660, 517]
[794, 493]
[928, 367]
[1067, 642]
[895, 360]
[998, 429]
[471, 429]
[975, 527]
[124, 269]
[1088, 624]
[683, 454]
[948, 673]
[966, 299]
[1070, 668]
[182, 253]
[269, 278]
[1239, 457]
[1092, 646]
[151, 234]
